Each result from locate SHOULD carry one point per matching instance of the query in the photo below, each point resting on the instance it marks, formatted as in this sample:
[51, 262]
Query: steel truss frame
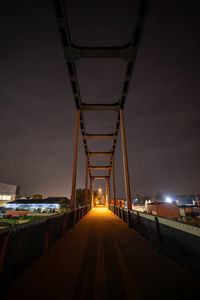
[72, 53]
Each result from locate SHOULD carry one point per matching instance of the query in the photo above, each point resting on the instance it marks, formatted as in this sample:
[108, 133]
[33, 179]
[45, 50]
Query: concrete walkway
[101, 258]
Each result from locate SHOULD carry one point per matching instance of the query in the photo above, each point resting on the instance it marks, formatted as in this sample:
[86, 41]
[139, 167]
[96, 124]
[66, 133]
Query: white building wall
[8, 193]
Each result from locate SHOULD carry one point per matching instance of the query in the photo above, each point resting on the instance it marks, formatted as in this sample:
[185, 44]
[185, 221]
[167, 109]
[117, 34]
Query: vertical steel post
[125, 160]
[92, 193]
[86, 180]
[107, 194]
[73, 195]
[113, 181]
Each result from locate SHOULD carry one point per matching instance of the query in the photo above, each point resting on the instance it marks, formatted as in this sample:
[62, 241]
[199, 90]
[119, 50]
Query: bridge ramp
[101, 258]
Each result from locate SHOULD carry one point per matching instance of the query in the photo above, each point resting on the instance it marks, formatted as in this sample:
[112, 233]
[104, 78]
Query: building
[135, 202]
[188, 200]
[119, 202]
[189, 211]
[197, 199]
[8, 193]
[163, 209]
[50, 204]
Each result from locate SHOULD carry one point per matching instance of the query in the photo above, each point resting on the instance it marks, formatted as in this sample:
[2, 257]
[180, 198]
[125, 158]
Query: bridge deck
[101, 258]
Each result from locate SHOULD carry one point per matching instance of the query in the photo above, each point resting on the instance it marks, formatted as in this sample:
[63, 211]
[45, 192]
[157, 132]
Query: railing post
[122, 214]
[73, 194]
[64, 223]
[138, 222]
[3, 249]
[79, 214]
[159, 242]
[46, 240]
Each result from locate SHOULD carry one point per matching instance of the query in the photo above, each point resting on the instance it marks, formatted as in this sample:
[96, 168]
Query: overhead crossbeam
[98, 167]
[74, 52]
[100, 177]
[99, 153]
[85, 106]
[100, 136]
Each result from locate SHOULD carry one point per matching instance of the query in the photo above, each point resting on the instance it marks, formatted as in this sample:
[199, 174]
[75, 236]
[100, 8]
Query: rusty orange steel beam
[127, 52]
[99, 153]
[100, 136]
[86, 106]
[99, 167]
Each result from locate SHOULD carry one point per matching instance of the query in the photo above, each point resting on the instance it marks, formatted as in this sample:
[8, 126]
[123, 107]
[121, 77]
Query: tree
[64, 204]
[37, 197]
[80, 196]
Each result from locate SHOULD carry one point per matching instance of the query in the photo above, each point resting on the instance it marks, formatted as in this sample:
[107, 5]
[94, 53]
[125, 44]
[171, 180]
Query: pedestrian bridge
[101, 258]
[99, 253]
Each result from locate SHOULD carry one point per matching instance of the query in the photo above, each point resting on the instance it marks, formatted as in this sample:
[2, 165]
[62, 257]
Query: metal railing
[181, 242]
[22, 244]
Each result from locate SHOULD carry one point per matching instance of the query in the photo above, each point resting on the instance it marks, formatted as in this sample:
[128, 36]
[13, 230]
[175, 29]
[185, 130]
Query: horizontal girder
[100, 177]
[85, 106]
[75, 52]
[99, 153]
[98, 167]
[100, 136]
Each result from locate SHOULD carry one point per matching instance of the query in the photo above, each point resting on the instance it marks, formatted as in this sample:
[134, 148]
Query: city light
[100, 190]
[34, 206]
[168, 199]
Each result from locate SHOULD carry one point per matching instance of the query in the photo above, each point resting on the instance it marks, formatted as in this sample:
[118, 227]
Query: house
[49, 204]
[119, 202]
[8, 193]
[163, 209]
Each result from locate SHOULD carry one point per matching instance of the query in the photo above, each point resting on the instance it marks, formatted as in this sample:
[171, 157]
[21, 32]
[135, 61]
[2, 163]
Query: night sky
[162, 111]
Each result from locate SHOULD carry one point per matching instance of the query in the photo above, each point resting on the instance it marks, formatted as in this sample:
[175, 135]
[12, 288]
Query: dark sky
[162, 110]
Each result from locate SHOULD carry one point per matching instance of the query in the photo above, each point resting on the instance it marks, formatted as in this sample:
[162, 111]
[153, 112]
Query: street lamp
[168, 199]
